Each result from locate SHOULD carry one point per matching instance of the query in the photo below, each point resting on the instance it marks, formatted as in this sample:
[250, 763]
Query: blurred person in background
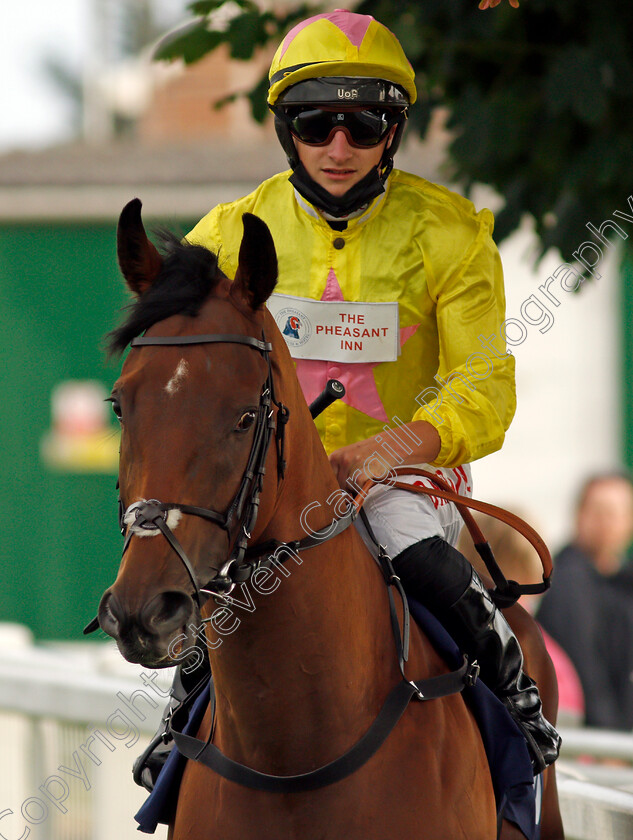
[589, 609]
[519, 561]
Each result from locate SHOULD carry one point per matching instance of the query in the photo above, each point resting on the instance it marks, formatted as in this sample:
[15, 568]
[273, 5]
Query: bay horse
[302, 674]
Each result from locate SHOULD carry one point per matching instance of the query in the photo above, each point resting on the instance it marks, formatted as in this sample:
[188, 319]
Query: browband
[218, 338]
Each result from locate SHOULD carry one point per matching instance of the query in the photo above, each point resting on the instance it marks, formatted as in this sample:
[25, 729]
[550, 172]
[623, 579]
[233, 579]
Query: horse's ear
[139, 261]
[257, 267]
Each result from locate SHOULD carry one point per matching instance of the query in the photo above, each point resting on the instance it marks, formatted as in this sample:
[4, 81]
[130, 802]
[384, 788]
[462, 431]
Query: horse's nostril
[167, 611]
[111, 614]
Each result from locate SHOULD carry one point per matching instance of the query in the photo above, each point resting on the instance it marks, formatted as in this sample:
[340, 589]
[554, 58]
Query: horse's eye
[116, 407]
[246, 420]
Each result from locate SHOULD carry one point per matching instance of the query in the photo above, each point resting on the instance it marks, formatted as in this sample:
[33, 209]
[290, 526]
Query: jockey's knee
[434, 570]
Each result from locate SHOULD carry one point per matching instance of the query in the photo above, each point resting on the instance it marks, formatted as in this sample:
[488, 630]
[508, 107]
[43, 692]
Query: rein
[506, 592]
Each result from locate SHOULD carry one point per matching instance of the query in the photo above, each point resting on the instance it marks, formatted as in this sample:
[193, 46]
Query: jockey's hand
[374, 457]
[352, 464]
[490, 4]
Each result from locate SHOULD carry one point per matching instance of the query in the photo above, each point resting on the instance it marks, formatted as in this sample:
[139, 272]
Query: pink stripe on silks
[358, 379]
[296, 30]
[353, 26]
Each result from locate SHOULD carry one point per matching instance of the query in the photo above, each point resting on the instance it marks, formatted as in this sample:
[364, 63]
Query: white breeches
[400, 519]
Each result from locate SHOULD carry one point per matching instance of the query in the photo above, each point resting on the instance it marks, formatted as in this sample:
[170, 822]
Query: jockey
[415, 332]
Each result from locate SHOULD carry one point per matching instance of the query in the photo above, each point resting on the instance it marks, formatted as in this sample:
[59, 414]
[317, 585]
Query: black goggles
[363, 128]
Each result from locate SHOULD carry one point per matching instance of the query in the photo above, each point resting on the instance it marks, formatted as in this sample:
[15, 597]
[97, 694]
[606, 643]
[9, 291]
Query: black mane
[188, 276]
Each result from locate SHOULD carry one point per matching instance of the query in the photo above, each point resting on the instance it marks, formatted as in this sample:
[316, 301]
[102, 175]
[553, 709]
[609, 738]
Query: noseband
[145, 516]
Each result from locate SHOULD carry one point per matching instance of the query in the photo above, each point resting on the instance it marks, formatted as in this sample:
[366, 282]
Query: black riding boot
[441, 578]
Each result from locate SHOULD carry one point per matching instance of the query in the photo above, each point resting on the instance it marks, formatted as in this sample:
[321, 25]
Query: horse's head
[196, 417]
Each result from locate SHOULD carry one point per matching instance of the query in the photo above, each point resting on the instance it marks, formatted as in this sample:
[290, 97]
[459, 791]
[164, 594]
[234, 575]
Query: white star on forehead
[179, 376]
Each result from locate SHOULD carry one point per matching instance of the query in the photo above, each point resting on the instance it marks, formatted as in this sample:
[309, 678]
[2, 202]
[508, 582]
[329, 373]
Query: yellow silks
[426, 248]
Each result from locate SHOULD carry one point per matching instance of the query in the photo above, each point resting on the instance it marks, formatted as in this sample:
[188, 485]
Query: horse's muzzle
[146, 636]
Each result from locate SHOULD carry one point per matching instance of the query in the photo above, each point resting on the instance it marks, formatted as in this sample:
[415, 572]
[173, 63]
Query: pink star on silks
[360, 387]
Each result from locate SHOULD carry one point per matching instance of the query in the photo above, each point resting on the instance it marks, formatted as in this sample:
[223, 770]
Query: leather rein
[506, 592]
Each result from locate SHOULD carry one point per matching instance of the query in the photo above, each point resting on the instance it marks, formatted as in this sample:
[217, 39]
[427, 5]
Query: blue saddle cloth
[516, 791]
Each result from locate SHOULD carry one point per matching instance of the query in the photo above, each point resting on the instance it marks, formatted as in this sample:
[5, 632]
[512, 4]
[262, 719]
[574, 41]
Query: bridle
[239, 519]
[240, 516]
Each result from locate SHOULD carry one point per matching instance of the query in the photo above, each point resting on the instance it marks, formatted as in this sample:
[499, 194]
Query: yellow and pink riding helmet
[340, 69]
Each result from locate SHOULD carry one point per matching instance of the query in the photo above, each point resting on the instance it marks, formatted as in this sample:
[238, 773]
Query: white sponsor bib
[337, 331]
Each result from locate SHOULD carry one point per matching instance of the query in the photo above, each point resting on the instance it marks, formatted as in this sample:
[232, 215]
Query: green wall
[59, 541]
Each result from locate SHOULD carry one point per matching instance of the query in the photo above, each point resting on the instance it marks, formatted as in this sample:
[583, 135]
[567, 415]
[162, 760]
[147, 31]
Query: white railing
[70, 733]
[595, 781]
[592, 812]
[597, 743]
[73, 720]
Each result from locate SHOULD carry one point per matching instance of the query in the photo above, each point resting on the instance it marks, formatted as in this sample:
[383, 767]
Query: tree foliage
[540, 98]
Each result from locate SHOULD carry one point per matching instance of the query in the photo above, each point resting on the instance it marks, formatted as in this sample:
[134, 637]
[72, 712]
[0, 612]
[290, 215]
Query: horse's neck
[321, 639]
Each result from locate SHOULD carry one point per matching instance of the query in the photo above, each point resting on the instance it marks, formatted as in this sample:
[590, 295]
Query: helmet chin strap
[371, 186]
